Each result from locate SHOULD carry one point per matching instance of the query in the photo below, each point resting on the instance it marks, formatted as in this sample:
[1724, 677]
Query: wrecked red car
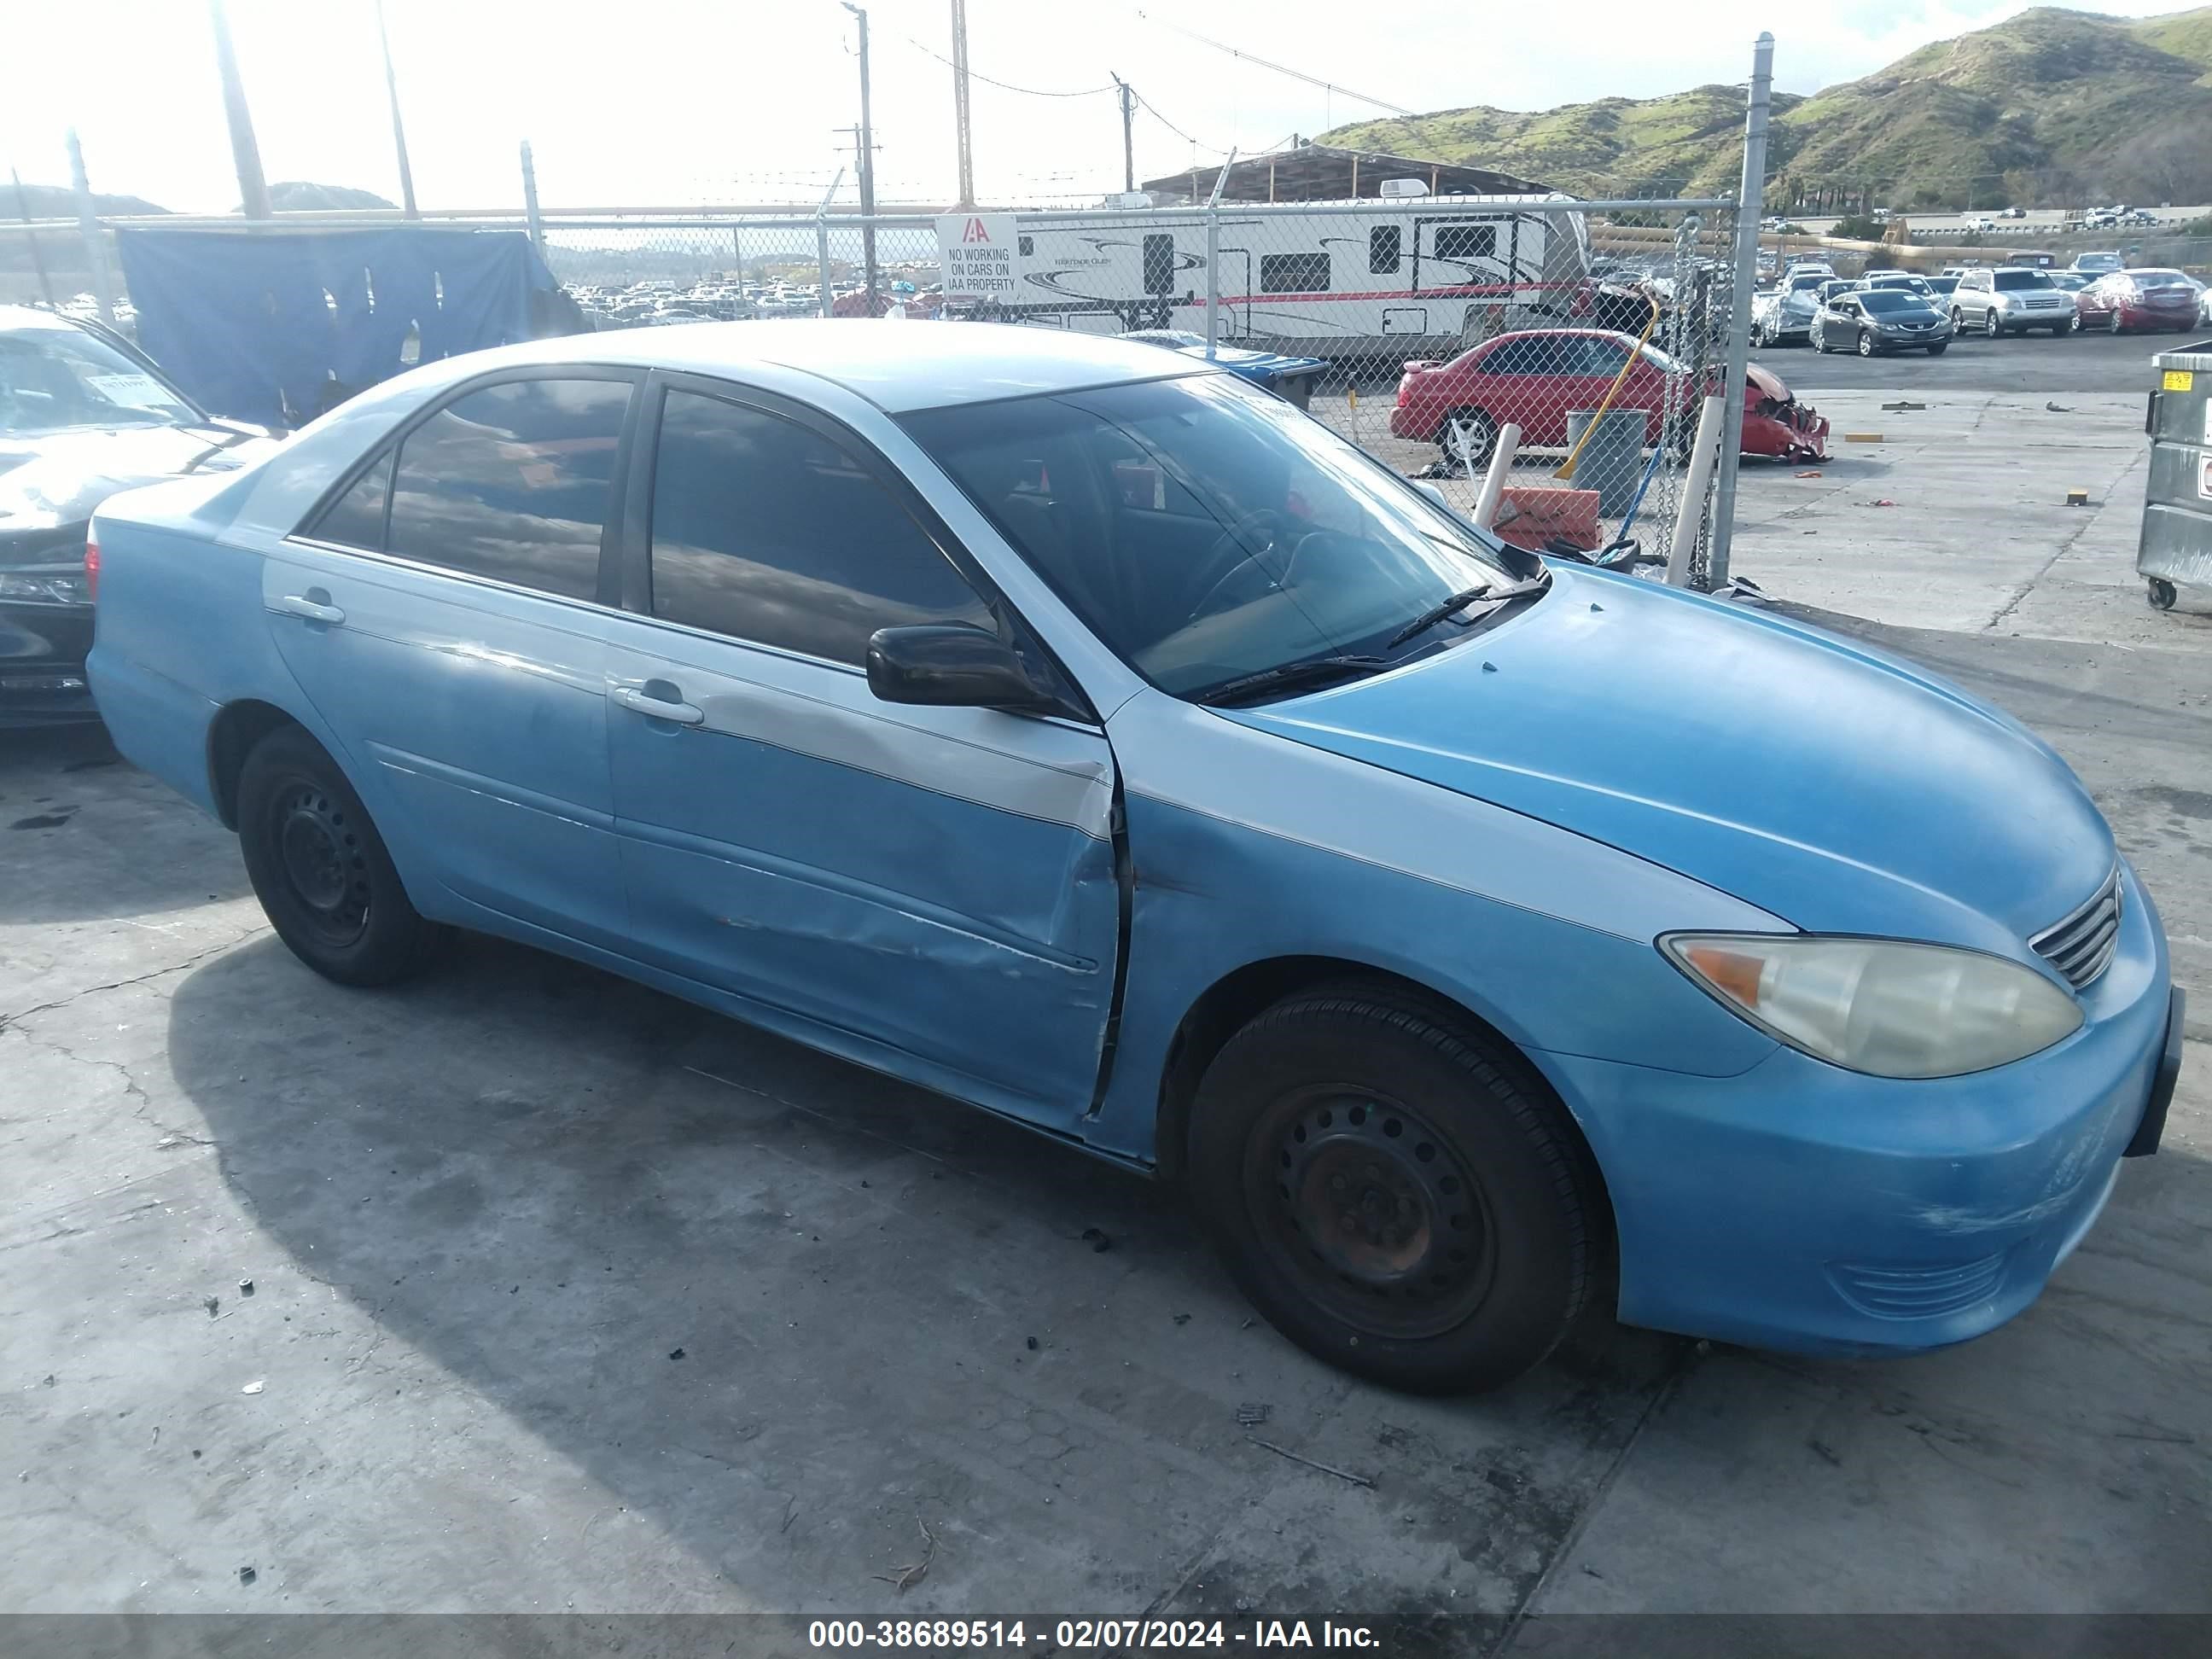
[1532, 379]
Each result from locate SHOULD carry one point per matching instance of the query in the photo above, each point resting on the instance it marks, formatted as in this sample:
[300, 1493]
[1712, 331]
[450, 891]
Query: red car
[2122, 300]
[1534, 378]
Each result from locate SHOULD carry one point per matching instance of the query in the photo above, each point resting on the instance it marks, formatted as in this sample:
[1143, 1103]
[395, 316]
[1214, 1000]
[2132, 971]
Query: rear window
[2008, 280]
[2161, 279]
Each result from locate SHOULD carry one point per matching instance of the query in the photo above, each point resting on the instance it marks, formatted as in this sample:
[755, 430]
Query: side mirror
[952, 665]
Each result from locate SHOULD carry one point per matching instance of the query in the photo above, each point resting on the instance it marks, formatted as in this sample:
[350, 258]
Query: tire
[1939, 349]
[1991, 325]
[2075, 327]
[2162, 593]
[1958, 320]
[1817, 340]
[319, 868]
[2113, 324]
[1481, 435]
[1866, 347]
[1353, 1084]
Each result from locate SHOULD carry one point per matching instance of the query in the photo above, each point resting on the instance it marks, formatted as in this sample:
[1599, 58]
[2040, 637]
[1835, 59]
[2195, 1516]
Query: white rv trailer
[1364, 282]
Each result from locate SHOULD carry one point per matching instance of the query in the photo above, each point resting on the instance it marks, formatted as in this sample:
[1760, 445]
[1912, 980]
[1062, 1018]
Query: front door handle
[683, 713]
[299, 605]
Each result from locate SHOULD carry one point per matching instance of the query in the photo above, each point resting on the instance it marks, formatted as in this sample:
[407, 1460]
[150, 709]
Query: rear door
[938, 883]
[445, 616]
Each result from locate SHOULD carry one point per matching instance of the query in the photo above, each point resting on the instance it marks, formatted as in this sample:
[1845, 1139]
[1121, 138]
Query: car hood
[1837, 788]
[51, 480]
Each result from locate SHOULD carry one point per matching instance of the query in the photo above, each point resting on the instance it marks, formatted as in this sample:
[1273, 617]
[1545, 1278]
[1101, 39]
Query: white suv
[2011, 300]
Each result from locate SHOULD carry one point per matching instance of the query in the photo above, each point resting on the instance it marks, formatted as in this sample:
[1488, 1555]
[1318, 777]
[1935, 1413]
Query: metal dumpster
[2176, 549]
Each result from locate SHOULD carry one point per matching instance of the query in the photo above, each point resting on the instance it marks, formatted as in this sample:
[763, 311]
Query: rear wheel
[1468, 434]
[1394, 1191]
[319, 868]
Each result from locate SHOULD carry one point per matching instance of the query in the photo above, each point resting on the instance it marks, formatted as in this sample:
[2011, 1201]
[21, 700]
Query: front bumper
[1803, 1207]
[42, 652]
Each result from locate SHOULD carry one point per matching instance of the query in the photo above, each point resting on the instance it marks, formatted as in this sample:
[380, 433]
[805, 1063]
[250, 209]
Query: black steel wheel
[2163, 593]
[320, 868]
[1395, 1189]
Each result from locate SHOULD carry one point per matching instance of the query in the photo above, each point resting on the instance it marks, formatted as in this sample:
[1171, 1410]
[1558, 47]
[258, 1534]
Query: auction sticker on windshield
[132, 391]
[977, 253]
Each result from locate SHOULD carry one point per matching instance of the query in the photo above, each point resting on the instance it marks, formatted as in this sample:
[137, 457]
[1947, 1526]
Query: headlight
[45, 586]
[1879, 1006]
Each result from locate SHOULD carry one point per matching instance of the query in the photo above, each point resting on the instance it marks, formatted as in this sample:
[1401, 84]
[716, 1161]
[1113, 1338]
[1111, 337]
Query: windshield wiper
[1467, 595]
[1286, 675]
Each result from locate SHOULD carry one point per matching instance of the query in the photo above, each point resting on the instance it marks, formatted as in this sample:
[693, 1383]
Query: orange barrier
[1529, 515]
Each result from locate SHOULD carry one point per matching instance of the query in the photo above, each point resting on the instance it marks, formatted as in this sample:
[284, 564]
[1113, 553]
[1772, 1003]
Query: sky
[686, 102]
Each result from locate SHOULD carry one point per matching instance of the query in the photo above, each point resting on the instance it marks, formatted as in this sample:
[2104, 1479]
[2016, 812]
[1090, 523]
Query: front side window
[1294, 273]
[765, 531]
[515, 483]
[1207, 532]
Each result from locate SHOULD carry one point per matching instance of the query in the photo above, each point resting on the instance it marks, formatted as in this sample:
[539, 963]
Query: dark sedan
[84, 414]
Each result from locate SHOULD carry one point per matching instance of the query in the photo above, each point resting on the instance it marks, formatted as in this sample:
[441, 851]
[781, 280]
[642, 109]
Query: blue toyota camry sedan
[1065, 725]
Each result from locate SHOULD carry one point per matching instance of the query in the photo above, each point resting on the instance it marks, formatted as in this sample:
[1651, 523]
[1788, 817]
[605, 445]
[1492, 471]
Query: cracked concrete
[483, 1213]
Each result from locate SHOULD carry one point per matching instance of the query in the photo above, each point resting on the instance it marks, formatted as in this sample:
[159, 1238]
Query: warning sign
[977, 252]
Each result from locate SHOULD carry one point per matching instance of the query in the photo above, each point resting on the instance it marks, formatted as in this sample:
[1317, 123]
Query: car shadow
[85, 835]
[782, 1305]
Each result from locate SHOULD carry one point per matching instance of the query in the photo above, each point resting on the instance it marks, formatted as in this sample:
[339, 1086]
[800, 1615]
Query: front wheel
[1991, 325]
[319, 868]
[2113, 324]
[2075, 327]
[1396, 1193]
[1866, 343]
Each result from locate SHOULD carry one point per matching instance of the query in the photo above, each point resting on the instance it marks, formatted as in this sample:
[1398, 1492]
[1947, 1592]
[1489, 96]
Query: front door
[453, 649]
[935, 883]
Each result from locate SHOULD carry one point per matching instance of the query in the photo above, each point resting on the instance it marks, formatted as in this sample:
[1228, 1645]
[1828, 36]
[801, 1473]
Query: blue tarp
[245, 321]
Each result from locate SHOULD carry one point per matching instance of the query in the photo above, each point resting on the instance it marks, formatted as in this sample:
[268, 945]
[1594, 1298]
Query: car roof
[35, 317]
[898, 366]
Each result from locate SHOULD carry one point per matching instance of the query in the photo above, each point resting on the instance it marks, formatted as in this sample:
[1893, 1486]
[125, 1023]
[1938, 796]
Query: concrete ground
[523, 1289]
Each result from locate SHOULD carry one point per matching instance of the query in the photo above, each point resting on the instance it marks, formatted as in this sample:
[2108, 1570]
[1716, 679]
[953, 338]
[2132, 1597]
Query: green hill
[2047, 107]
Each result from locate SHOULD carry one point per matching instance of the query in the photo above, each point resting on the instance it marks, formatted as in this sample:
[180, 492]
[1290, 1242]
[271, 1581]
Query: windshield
[1799, 283]
[1207, 532]
[53, 379]
[1891, 299]
[2008, 281]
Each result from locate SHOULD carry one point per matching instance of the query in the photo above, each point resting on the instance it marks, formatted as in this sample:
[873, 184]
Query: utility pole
[865, 142]
[960, 102]
[1129, 96]
[244, 154]
[399, 131]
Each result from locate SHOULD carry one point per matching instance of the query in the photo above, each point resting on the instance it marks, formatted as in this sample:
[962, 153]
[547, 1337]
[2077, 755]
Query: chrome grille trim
[2081, 943]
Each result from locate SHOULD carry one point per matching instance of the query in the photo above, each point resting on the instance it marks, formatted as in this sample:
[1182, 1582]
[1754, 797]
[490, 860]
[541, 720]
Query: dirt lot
[565, 1295]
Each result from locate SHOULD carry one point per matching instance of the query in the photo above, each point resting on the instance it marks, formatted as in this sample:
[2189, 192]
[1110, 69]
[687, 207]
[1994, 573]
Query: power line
[1004, 86]
[1280, 68]
[1214, 149]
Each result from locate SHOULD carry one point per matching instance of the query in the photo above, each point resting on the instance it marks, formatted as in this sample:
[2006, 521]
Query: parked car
[1940, 289]
[1784, 313]
[2073, 282]
[1904, 280]
[2010, 301]
[83, 413]
[2124, 299]
[1875, 321]
[1534, 378]
[2097, 264]
[1075, 731]
[1292, 377]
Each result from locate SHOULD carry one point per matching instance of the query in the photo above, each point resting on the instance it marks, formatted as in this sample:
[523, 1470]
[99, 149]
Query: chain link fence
[1433, 332]
[1429, 333]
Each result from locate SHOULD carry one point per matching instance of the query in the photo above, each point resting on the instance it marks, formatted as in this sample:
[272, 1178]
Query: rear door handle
[299, 605]
[683, 713]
